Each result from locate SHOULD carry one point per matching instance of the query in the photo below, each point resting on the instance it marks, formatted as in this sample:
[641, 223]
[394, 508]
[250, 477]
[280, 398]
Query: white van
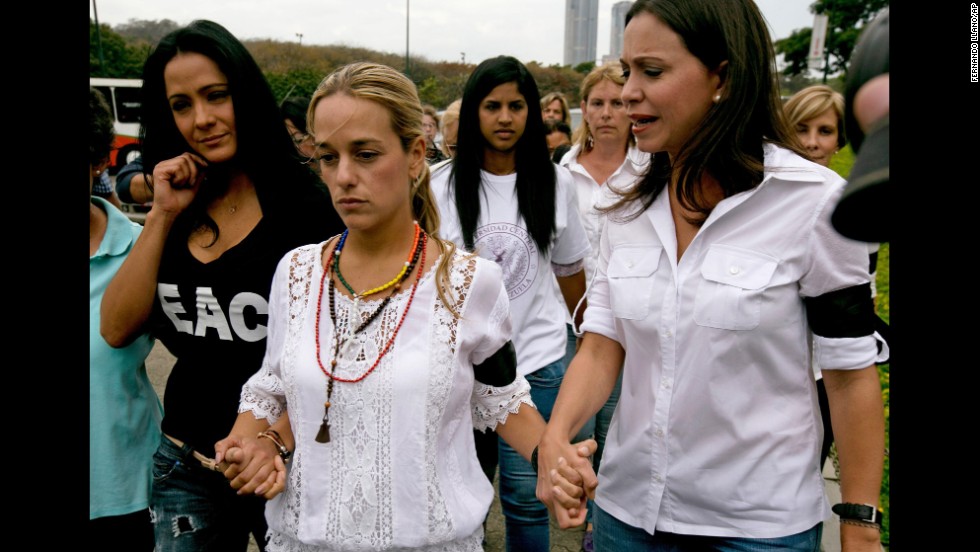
[123, 96]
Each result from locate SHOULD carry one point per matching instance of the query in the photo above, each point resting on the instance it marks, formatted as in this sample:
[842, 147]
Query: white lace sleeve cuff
[492, 405]
[263, 396]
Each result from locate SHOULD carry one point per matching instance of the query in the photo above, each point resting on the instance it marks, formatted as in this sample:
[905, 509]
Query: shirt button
[669, 333]
[629, 264]
[659, 432]
[733, 270]
[657, 478]
[666, 383]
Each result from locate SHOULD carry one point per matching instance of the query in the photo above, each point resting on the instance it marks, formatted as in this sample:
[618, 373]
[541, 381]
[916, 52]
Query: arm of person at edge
[587, 384]
[857, 416]
[252, 464]
[131, 183]
[572, 289]
[128, 300]
[523, 430]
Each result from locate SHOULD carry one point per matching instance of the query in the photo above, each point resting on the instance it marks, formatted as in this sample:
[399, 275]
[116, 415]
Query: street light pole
[300, 36]
[98, 39]
[407, 10]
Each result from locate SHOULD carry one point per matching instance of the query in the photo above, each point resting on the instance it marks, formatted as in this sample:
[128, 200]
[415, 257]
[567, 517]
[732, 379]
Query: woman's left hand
[254, 466]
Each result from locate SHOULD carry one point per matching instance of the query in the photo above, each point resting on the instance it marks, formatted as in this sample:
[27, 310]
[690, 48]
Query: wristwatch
[534, 459]
[858, 512]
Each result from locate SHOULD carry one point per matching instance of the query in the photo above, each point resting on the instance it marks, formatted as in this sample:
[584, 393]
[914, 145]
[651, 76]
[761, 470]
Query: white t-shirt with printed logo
[501, 236]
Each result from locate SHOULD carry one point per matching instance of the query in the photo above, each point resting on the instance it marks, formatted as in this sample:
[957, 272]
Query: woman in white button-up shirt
[714, 274]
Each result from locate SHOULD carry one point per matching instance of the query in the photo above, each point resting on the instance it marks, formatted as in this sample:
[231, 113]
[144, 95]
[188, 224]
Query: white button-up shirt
[717, 430]
[592, 194]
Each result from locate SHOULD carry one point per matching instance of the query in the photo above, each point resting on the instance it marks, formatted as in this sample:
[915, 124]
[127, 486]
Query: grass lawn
[841, 163]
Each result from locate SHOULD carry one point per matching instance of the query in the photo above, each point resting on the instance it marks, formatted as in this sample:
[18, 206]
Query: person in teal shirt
[124, 410]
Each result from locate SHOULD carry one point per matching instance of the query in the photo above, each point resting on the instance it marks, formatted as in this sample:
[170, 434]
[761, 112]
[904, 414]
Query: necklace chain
[418, 252]
[394, 281]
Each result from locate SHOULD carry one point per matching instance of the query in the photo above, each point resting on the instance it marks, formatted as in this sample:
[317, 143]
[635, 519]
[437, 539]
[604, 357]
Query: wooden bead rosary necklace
[416, 255]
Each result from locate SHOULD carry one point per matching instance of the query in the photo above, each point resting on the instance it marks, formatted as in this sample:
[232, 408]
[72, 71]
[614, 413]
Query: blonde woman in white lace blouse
[407, 364]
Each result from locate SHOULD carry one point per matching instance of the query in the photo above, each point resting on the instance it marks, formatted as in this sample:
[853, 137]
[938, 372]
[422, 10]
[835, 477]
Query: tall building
[619, 10]
[581, 30]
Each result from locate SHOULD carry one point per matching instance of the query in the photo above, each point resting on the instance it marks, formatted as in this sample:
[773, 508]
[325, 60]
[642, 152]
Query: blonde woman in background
[555, 106]
[449, 128]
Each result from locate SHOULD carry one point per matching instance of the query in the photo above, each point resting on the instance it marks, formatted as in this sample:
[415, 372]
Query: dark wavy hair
[102, 132]
[728, 142]
[294, 109]
[536, 179]
[265, 150]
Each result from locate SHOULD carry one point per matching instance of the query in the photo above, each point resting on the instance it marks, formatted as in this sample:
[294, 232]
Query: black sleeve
[124, 177]
[499, 369]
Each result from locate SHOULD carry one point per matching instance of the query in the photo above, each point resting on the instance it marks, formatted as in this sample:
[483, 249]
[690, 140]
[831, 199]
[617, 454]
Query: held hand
[176, 181]
[574, 484]
[222, 447]
[253, 464]
[564, 485]
[276, 481]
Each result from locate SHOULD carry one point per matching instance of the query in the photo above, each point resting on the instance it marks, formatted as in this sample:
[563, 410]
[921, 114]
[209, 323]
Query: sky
[439, 30]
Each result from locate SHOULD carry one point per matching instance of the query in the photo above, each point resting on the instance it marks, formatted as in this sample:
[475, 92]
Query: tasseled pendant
[323, 436]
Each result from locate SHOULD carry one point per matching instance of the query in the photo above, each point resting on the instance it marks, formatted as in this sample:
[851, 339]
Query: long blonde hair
[394, 92]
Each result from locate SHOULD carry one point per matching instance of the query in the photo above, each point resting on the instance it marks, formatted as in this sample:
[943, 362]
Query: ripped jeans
[194, 509]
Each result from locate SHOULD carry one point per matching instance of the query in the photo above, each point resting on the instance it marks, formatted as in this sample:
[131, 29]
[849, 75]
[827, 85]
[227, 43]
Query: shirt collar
[635, 164]
[785, 165]
[115, 241]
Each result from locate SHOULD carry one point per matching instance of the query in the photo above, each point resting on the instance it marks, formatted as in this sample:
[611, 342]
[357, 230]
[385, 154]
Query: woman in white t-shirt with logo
[503, 198]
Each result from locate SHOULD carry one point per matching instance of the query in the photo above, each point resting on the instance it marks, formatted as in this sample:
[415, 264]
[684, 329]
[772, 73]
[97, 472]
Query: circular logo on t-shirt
[511, 247]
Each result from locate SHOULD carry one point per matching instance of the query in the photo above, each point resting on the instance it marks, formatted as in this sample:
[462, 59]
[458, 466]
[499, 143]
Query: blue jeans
[526, 518]
[195, 509]
[602, 420]
[610, 534]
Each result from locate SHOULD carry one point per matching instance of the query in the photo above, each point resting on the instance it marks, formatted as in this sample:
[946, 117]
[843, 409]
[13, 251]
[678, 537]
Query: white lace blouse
[400, 471]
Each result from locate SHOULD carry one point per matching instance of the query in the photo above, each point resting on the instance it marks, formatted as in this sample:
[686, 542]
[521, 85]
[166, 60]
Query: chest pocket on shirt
[729, 296]
[631, 271]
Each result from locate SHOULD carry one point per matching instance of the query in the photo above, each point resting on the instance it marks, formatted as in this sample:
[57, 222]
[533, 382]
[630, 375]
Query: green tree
[149, 31]
[585, 67]
[846, 19]
[121, 60]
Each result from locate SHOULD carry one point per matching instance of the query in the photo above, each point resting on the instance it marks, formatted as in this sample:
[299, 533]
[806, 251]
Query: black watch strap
[858, 512]
[534, 459]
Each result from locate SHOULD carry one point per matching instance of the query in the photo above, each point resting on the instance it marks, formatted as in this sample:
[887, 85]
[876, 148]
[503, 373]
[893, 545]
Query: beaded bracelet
[861, 523]
[274, 436]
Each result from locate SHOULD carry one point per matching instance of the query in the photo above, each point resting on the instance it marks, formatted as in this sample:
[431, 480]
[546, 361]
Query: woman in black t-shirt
[230, 197]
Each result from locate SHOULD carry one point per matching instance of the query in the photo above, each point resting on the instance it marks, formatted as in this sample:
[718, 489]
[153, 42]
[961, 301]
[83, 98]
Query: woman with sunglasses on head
[716, 272]
[502, 198]
[230, 197]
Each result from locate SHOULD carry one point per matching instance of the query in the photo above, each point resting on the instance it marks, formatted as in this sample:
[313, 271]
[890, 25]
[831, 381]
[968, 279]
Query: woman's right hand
[563, 467]
[176, 182]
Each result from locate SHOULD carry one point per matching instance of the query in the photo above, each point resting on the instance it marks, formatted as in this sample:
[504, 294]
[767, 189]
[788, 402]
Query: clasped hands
[251, 464]
[566, 479]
